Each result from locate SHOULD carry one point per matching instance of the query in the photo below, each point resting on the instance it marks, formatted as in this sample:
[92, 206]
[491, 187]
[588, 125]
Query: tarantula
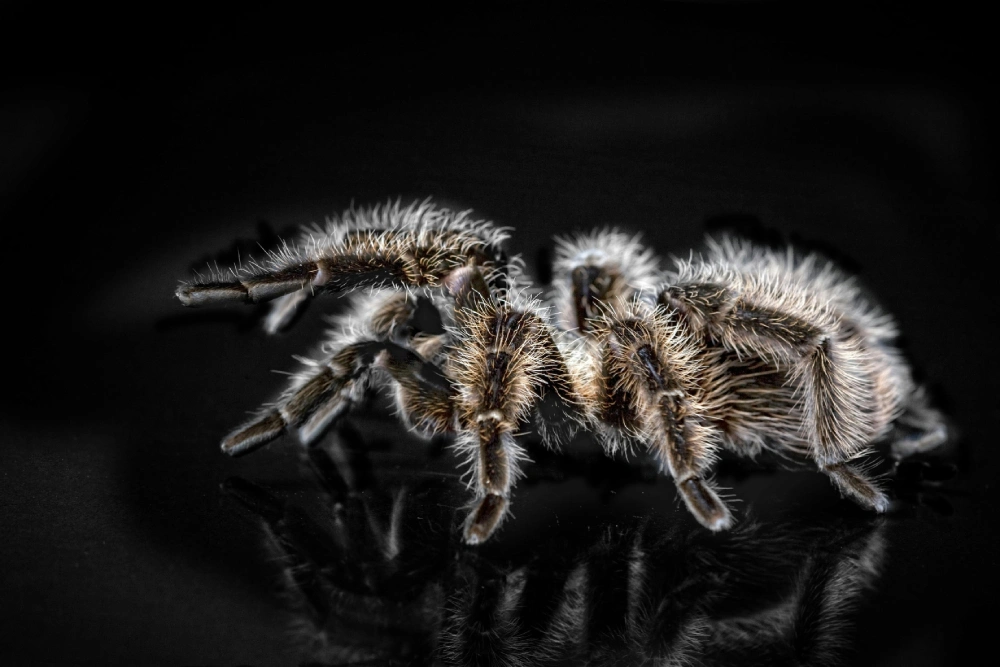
[742, 347]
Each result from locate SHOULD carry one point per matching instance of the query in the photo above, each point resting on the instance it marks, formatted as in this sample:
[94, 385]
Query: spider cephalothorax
[742, 348]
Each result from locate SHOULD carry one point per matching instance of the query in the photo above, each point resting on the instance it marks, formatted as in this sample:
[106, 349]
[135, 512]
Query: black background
[136, 147]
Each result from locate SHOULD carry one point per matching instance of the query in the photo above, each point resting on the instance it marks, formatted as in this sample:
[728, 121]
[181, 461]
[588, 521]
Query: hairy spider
[741, 347]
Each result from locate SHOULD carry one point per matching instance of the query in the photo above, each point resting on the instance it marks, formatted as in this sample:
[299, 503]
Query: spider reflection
[377, 576]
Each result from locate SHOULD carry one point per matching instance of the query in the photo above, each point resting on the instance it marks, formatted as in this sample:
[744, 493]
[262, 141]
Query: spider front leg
[327, 388]
[650, 379]
[500, 360]
[829, 363]
[508, 378]
[416, 246]
[920, 429]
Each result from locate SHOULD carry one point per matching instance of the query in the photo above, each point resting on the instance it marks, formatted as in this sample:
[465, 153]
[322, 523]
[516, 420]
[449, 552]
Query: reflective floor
[596, 569]
[128, 538]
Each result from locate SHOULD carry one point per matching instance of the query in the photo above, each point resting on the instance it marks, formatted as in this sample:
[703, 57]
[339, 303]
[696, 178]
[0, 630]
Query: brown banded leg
[920, 429]
[594, 287]
[920, 442]
[252, 288]
[493, 479]
[558, 408]
[856, 485]
[831, 365]
[387, 318]
[468, 287]
[703, 501]
[494, 468]
[834, 373]
[424, 395]
[313, 392]
[325, 392]
[501, 368]
[485, 518]
[338, 274]
[375, 257]
[391, 313]
[600, 272]
[335, 406]
[284, 308]
[685, 447]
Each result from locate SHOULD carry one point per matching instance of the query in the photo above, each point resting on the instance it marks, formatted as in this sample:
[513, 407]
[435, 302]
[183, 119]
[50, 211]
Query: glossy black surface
[129, 538]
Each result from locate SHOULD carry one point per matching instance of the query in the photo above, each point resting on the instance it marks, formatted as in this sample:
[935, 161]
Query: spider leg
[598, 271]
[284, 309]
[337, 274]
[500, 363]
[609, 276]
[422, 392]
[593, 287]
[828, 361]
[487, 436]
[854, 482]
[413, 247]
[925, 428]
[320, 393]
[558, 407]
[326, 389]
[494, 456]
[642, 368]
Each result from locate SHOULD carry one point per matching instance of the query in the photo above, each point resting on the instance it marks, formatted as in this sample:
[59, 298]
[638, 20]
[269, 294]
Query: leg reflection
[381, 579]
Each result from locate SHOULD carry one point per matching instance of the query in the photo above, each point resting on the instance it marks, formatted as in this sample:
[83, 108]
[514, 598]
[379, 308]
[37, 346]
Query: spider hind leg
[855, 484]
[828, 360]
[920, 429]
